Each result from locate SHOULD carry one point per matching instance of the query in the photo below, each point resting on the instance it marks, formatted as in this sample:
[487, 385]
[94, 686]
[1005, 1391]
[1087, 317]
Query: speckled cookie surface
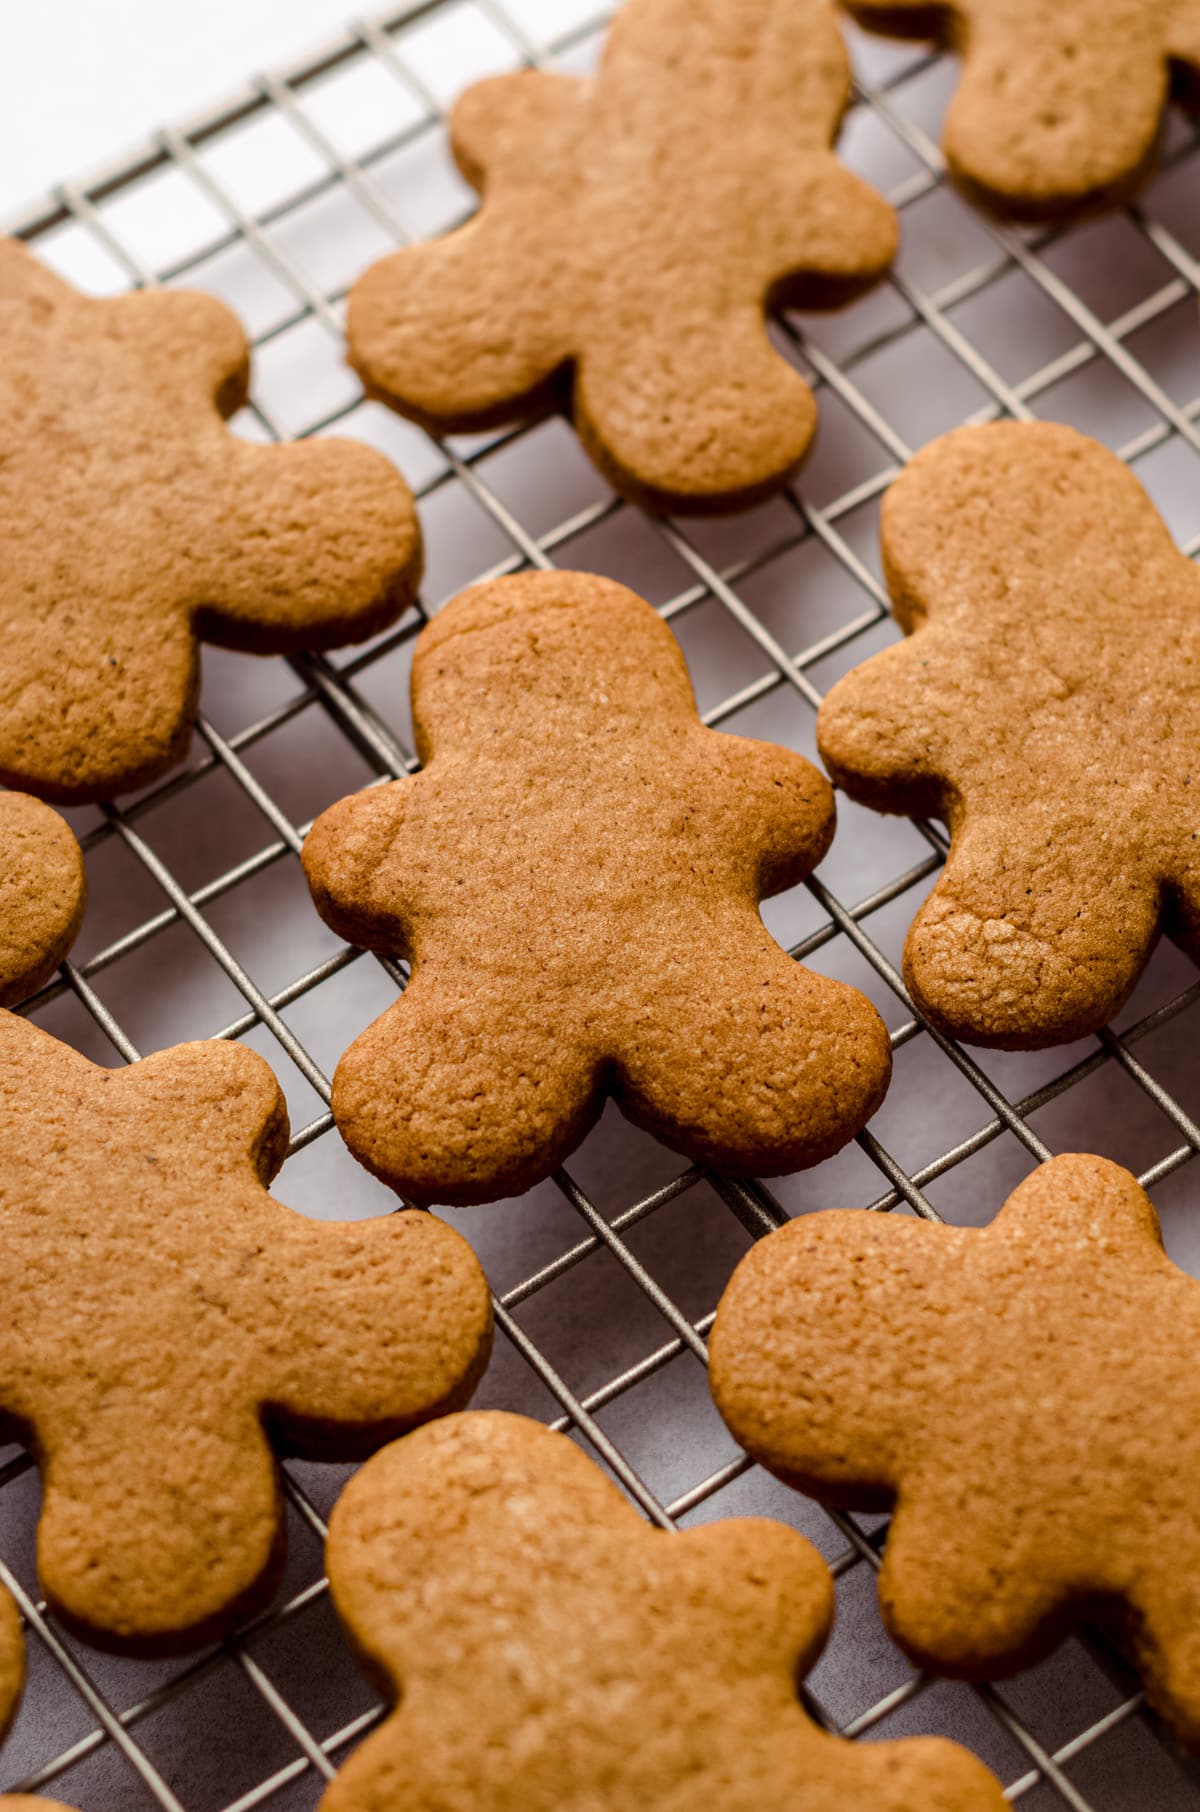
[133, 523]
[575, 877]
[634, 228]
[158, 1307]
[1026, 1395]
[1047, 706]
[1060, 105]
[539, 1631]
[43, 892]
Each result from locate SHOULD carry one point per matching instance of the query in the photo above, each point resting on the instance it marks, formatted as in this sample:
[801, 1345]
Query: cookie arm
[355, 866]
[808, 1358]
[221, 1098]
[182, 336]
[777, 807]
[834, 235]
[879, 733]
[303, 546]
[1045, 120]
[385, 1324]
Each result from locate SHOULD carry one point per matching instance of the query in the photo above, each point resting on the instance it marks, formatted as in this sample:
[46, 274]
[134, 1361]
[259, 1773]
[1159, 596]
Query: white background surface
[84, 80]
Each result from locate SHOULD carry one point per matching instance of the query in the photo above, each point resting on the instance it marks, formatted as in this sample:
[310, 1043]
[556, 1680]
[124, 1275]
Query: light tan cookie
[133, 522]
[1047, 706]
[634, 229]
[575, 877]
[1060, 104]
[43, 893]
[1025, 1395]
[538, 1630]
[161, 1315]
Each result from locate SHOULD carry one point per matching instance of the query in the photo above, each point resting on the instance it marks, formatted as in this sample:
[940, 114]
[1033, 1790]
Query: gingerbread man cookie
[1025, 1395]
[539, 1630]
[634, 229]
[1060, 105]
[43, 893]
[575, 878]
[1047, 706]
[161, 1315]
[134, 523]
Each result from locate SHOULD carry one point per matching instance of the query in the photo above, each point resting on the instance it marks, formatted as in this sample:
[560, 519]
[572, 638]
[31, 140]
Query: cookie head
[1023, 1396]
[628, 250]
[1059, 107]
[157, 1300]
[559, 875]
[533, 1629]
[1044, 705]
[134, 523]
[43, 893]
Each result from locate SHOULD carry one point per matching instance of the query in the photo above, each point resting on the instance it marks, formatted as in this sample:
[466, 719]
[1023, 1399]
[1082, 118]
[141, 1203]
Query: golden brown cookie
[12, 1679]
[575, 878]
[161, 1315]
[634, 229]
[133, 522]
[539, 1631]
[1026, 1396]
[1061, 101]
[1047, 706]
[12, 1662]
[43, 893]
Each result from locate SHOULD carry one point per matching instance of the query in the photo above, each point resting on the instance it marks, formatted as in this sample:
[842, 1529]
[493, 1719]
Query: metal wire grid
[1044, 1775]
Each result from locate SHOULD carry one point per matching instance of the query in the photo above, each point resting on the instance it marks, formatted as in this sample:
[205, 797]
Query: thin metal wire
[334, 690]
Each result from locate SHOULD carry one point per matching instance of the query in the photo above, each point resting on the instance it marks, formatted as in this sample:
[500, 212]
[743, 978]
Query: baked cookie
[161, 1315]
[43, 892]
[133, 523]
[539, 1630]
[575, 878]
[1025, 1395]
[1047, 706]
[1060, 105]
[634, 229]
[12, 1679]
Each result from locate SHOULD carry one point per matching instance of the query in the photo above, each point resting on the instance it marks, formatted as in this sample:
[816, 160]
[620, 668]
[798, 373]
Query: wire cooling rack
[200, 924]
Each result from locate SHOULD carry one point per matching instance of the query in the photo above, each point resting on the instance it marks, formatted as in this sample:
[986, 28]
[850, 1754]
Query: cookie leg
[961, 1589]
[161, 1527]
[765, 1069]
[464, 1092]
[695, 410]
[1031, 943]
[464, 333]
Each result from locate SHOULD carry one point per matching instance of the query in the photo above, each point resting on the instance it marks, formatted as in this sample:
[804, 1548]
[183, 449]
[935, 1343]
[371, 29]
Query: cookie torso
[537, 1629]
[617, 236]
[153, 1292]
[1026, 1396]
[43, 892]
[1047, 704]
[560, 874]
